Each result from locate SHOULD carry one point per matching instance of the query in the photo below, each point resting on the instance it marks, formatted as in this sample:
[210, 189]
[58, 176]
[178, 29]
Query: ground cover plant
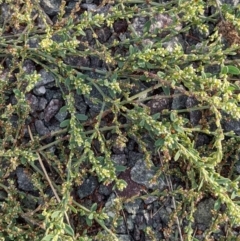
[160, 74]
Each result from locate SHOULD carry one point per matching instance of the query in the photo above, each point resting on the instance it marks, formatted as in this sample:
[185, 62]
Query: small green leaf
[166, 90]
[156, 116]
[224, 70]
[90, 216]
[89, 222]
[55, 214]
[177, 155]
[65, 123]
[230, 69]
[147, 26]
[233, 70]
[120, 64]
[48, 237]
[94, 207]
[159, 143]
[63, 109]
[68, 229]
[120, 168]
[217, 205]
[161, 74]
[81, 117]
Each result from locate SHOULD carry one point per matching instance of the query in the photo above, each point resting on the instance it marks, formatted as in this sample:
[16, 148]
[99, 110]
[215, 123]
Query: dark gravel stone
[88, 187]
[77, 61]
[42, 104]
[46, 77]
[33, 101]
[41, 128]
[51, 109]
[195, 116]
[203, 214]
[120, 26]
[232, 125]
[104, 190]
[39, 91]
[103, 34]
[80, 104]
[119, 159]
[24, 180]
[142, 175]
[157, 105]
[28, 66]
[179, 102]
[51, 7]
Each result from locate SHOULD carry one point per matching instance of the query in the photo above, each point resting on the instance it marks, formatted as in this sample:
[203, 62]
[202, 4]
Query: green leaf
[161, 74]
[224, 70]
[90, 216]
[230, 69]
[89, 221]
[120, 168]
[55, 214]
[63, 109]
[156, 116]
[166, 90]
[94, 207]
[159, 143]
[217, 205]
[233, 70]
[68, 229]
[120, 64]
[177, 155]
[65, 123]
[147, 26]
[81, 117]
[48, 238]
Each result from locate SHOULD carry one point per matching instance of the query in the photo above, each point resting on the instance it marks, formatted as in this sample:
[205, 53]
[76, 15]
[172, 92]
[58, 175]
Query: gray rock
[157, 105]
[77, 61]
[42, 104]
[29, 66]
[130, 223]
[150, 199]
[195, 116]
[119, 159]
[88, 187]
[61, 116]
[232, 125]
[141, 174]
[41, 90]
[41, 128]
[46, 77]
[24, 180]
[124, 237]
[164, 216]
[53, 94]
[231, 2]
[179, 102]
[133, 207]
[51, 7]
[89, 6]
[80, 104]
[51, 109]
[133, 157]
[203, 214]
[104, 190]
[33, 101]
[33, 42]
[103, 34]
